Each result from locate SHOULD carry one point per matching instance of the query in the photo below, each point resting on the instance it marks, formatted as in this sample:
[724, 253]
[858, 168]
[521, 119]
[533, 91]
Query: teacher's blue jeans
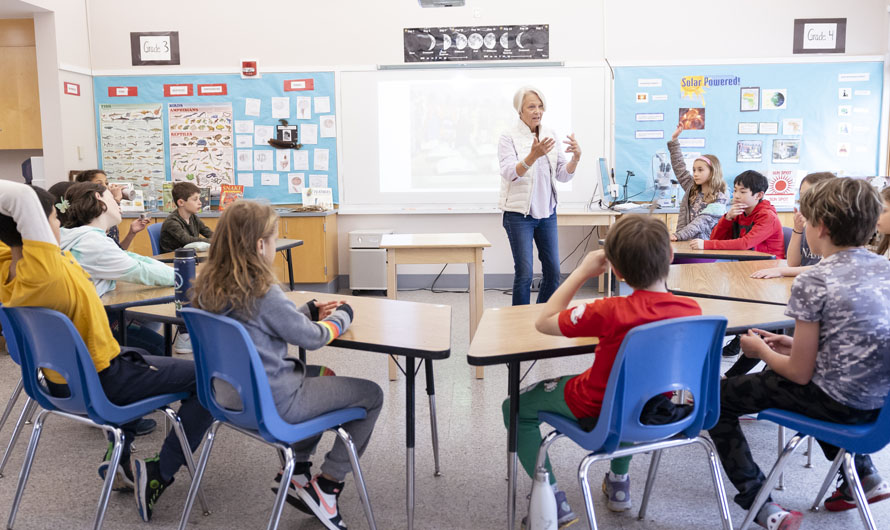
[521, 231]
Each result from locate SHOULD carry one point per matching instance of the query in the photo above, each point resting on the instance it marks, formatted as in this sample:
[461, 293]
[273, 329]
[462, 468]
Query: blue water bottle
[183, 274]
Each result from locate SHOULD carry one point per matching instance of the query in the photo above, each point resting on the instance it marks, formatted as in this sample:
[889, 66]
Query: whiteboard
[429, 136]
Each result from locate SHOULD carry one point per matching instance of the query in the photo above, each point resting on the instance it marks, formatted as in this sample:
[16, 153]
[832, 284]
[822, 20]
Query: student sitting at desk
[99, 177]
[835, 368]
[638, 248]
[705, 189]
[183, 226]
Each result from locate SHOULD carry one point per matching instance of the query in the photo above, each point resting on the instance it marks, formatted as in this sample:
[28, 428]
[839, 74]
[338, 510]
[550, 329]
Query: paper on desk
[243, 140]
[245, 160]
[328, 126]
[262, 133]
[252, 107]
[244, 126]
[304, 108]
[322, 104]
[301, 159]
[280, 108]
[282, 160]
[320, 160]
[269, 179]
[308, 134]
[245, 179]
[263, 160]
[296, 182]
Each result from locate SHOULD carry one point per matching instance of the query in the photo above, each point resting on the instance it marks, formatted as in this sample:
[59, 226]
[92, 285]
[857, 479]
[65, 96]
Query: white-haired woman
[530, 166]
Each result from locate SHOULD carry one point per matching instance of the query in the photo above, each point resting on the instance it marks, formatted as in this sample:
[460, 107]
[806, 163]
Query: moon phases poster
[477, 43]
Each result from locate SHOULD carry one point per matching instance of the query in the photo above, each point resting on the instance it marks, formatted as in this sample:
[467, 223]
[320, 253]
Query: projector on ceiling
[441, 3]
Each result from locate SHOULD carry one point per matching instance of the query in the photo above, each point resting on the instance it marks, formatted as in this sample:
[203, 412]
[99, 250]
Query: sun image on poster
[786, 151]
[782, 187]
[749, 151]
[131, 137]
[201, 144]
[692, 118]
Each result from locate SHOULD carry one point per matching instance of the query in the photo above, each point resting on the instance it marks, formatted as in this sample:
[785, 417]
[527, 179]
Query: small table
[126, 295]
[438, 248]
[731, 281]
[392, 327]
[283, 245]
[508, 336]
[682, 250]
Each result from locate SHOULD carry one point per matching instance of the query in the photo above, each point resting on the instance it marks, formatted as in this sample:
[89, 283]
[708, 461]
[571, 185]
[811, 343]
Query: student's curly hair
[84, 204]
[849, 208]
[639, 247]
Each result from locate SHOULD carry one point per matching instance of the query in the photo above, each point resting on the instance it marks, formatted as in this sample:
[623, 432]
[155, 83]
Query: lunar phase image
[505, 41]
[432, 41]
[475, 41]
[490, 40]
[519, 40]
[460, 41]
[446, 41]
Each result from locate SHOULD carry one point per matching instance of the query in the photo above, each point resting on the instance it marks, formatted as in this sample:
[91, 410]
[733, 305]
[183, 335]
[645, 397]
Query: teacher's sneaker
[773, 517]
[297, 482]
[321, 495]
[618, 492]
[875, 488]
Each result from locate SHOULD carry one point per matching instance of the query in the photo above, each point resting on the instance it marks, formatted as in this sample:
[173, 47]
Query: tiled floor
[64, 486]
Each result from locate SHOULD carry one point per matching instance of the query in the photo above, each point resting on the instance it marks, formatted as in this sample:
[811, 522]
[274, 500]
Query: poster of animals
[201, 144]
[132, 140]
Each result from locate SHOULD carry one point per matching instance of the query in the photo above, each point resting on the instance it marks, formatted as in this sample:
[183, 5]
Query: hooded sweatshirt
[760, 231]
[105, 262]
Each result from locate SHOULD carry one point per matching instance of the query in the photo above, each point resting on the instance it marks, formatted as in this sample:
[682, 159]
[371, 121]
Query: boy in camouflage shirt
[836, 366]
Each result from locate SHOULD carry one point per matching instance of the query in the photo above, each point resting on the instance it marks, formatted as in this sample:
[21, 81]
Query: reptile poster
[201, 144]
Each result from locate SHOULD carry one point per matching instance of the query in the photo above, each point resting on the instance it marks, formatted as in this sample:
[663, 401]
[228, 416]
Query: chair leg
[359, 478]
[650, 482]
[186, 450]
[858, 494]
[829, 478]
[718, 481]
[11, 403]
[767, 486]
[583, 468]
[26, 466]
[809, 464]
[545, 446]
[290, 462]
[27, 412]
[781, 483]
[199, 474]
[116, 452]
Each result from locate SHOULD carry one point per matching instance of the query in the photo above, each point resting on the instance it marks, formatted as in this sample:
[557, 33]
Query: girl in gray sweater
[705, 200]
[238, 281]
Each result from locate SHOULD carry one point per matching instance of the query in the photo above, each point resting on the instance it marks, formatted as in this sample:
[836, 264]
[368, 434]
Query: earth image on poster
[778, 99]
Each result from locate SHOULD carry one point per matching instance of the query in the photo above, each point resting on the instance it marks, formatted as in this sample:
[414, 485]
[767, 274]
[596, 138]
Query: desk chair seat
[225, 352]
[865, 438]
[669, 355]
[12, 346]
[154, 235]
[48, 340]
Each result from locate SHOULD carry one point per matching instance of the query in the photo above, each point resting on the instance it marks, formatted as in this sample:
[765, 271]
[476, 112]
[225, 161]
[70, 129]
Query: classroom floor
[64, 487]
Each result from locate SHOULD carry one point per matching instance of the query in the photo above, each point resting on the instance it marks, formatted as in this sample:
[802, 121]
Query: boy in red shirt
[639, 249]
[750, 223]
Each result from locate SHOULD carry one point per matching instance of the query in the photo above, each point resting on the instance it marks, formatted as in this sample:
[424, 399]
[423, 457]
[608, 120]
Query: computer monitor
[610, 187]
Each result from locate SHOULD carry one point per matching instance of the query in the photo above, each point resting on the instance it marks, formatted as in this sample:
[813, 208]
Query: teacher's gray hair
[519, 96]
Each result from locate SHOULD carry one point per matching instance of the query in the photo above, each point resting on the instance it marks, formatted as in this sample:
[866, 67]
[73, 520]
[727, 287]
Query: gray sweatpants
[320, 395]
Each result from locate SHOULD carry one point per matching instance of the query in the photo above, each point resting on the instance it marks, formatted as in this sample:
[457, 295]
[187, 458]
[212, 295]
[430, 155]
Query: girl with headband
[705, 199]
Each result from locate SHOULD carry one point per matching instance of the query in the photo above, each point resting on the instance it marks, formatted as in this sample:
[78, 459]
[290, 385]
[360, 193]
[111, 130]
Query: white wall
[11, 162]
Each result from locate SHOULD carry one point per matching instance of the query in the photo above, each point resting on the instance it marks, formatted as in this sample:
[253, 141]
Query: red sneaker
[876, 489]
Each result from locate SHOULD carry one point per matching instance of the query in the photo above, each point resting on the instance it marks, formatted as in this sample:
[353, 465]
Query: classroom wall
[11, 162]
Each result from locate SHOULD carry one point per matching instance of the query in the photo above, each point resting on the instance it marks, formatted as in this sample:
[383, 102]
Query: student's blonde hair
[716, 182]
[235, 273]
[849, 208]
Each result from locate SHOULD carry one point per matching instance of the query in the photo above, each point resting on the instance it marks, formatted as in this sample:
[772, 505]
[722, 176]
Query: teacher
[530, 166]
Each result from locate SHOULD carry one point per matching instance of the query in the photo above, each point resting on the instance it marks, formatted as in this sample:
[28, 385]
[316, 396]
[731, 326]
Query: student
[750, 223]
[237, 280]
[834, 369]
[89, 210]
[638, 249]
[35, 272]
[705, 199]
[98, 176]
[182, 226]
[882, 241]
[799, 255]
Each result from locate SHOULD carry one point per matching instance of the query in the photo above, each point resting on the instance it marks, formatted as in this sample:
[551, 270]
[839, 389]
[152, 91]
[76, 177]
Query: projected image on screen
[443, 135]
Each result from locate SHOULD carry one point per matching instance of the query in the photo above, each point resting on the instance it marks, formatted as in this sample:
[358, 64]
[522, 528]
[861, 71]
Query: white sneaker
[183, 343]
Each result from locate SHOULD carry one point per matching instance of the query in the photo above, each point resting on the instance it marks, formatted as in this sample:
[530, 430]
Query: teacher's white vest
[516, 196]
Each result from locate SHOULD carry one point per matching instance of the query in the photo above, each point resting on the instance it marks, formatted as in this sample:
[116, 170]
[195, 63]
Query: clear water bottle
[542, 503]
[183, 274]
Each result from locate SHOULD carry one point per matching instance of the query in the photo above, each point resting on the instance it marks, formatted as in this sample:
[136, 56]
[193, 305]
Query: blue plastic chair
[12, 346]
[668, 355]
[225, 352]
[786, 238]
[863, 439]
[48, 340]
[154, 234]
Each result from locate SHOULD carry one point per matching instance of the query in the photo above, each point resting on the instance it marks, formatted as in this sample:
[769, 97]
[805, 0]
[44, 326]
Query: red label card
[72, 89]
[122, 91]
[178, 90]
[212, 90]
[292, 85]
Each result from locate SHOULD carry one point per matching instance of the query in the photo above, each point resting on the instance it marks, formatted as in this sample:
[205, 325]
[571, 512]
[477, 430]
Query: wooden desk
[284, 245]
[682, 250]
[508, 336]
[409, 329]
[126, 295]
[591, 218]
[438, 248]
[731, 281]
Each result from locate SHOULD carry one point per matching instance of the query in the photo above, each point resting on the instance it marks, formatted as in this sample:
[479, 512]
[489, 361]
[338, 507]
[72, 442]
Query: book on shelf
[229, 193]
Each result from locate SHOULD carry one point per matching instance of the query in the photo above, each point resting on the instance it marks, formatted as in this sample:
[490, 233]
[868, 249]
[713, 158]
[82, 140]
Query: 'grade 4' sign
[820, 35]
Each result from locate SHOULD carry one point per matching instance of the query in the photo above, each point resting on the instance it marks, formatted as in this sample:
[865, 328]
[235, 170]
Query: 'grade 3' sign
[154, 47]
[820, 35]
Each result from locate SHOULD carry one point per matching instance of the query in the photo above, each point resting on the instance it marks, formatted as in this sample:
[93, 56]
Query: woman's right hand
[677, 132]
[541, 148]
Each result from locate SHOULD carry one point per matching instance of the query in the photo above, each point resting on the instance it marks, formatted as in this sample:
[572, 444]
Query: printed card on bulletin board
[214, 130]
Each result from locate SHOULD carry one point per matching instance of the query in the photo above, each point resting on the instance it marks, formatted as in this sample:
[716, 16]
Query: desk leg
[168, 340]
[434, 429]
[477, 299]
[409, 440]
[122, 326]
[392, 288]
[512, 437]
[303, 355]
[290, 269]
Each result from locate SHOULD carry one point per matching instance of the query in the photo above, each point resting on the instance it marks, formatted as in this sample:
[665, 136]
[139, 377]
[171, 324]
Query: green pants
[544, 396]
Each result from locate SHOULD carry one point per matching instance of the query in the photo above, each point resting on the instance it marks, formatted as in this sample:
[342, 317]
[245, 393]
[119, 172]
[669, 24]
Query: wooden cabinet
[316, 260]
[19, 99]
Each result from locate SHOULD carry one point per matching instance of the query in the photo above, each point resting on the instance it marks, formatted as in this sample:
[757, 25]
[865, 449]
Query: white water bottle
[542, 503]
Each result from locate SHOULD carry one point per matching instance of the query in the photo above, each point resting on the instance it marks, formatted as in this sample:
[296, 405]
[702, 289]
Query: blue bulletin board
[783, 120]
[139, 110]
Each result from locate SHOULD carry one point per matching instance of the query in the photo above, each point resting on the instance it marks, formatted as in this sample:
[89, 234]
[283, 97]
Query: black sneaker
[143, 426]
[322, 503]
[123, 479]
[148, 486]
[734, 347]
[297, 482]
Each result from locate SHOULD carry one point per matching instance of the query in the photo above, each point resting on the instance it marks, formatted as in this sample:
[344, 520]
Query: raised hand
[677, 132]
[573, 147]
[541, 147]
[799, 222]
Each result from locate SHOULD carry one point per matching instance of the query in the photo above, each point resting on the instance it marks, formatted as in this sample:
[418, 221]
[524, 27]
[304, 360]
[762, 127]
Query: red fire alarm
[249, 70]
